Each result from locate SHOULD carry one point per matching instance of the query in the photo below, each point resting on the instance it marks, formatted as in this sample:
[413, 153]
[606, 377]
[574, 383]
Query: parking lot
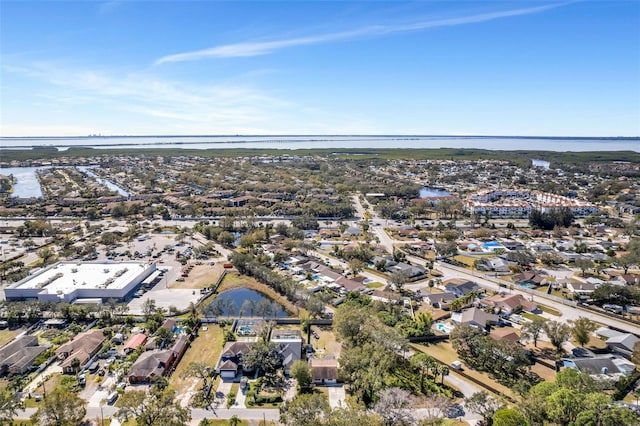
[163, 250]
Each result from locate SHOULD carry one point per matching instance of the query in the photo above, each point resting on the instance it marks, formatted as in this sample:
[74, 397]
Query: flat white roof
[65, 277]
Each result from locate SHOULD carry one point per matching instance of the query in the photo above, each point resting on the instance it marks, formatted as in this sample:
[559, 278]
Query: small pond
[251, 302]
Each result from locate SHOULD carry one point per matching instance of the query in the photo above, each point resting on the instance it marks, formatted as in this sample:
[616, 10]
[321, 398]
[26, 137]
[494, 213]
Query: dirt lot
[326, 344]
[201, 276]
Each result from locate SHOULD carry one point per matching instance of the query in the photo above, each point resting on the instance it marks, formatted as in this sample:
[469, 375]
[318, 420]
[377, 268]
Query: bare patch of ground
[200, 276]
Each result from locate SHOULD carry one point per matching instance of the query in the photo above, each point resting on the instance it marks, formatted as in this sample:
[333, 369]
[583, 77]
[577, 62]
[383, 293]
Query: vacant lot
[201, 276]
[326, 344]
[205, 349]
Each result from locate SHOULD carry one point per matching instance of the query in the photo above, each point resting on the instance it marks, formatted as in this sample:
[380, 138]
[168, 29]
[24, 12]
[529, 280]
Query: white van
[112, 397]
[457, 365]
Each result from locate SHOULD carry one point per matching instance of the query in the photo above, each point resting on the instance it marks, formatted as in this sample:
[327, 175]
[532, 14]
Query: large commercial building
[74, 281]
[520, 203]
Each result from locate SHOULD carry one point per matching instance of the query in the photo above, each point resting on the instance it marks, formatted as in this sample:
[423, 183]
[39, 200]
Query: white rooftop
[65, 277]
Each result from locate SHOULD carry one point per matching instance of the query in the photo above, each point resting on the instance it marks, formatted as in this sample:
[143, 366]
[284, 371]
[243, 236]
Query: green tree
[558, 333]
[509, 417]
[582, 329]
[199, 370]
[483, 404]
[153, 408]
[60, 408]
[235, 420]
[563, 406]
[9, 406]
[264, 356]
[46, 254]
[584, 265]
[425, 363]
[304, 410]
[532, 330]
[301, 371]
[398, 279]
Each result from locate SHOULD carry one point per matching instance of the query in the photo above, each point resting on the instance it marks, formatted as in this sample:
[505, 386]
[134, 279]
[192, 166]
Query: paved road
[197, 414]
[568, 312]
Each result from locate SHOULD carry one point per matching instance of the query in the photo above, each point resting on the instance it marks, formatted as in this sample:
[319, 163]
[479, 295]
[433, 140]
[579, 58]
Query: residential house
[351, 284]
[329, 232]
[289, 343]
[83, 347]
[157, 363]
[134, 342]
[169, 324]
[623, 344]
[149, 365]
[626, 279]
[17, 357]
[504, 334]
[460, 287]
[56, 323]
[411, 271]
[603, 367]
[475, 317]
[324, 370]
[528, 277]
[352, 231]
[495, 264]
[570, 257]
[513, 245]
[230, 362]
[510, 303]
[438, 300]
[581, 289]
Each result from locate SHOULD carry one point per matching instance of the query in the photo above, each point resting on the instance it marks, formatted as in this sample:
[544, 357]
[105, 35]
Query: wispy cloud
[265, 47]
[220, 106]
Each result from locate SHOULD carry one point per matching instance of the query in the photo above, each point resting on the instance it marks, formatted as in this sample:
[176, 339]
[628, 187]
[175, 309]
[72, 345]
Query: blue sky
[328, 67]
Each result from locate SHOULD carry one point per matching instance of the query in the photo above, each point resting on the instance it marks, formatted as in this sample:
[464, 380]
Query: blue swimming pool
[443, 328]
[491, 244]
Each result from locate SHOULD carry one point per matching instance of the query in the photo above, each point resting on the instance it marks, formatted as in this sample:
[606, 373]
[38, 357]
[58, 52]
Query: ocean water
[329, 142]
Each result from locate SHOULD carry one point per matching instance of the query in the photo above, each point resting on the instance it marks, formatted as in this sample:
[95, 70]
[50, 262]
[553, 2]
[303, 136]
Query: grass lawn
[594, 343]
[530, 316]
[467, 260]
[223, 422]
[549, 310]
[233, 280]
[546, 373]
[205, 348]
[374, 284]
[454, 422]
[445, 353]
[7, 335]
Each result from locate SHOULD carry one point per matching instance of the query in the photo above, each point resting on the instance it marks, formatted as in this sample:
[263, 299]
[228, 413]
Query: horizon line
[386, 135]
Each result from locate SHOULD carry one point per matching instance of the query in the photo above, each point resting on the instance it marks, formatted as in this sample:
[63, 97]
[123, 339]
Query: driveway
[336, 396]
[224, 387]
